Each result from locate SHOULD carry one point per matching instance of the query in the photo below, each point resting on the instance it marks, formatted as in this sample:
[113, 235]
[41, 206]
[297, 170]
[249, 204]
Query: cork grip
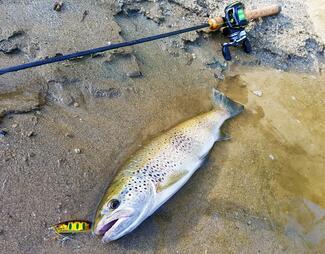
[217, 22]
[263, 12]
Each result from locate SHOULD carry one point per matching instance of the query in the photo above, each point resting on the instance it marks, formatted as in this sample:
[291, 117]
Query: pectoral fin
[172, 179]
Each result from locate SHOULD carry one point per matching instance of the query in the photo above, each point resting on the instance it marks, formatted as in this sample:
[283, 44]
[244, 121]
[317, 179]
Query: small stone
[77, 150]
[258, 93]
[76, 104]
[249, 223]
[59, 206]
[85, 13]
[14, 125]
[271, 157]
[68, 135]
[30, 134]
[34, 120]
[3, 133]
[193, 56]
[134, 74]
[59, 161]
[58, 6]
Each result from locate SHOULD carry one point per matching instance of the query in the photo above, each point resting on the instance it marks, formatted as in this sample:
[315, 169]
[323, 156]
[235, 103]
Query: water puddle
[284, 130]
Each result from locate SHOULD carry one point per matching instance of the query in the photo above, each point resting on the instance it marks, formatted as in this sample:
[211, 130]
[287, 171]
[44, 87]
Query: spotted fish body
[158, 170]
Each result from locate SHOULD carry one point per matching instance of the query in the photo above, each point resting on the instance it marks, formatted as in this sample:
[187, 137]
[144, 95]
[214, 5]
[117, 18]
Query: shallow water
[286, 124]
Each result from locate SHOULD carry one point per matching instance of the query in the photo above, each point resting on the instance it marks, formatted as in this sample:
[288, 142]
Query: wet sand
[262, 191]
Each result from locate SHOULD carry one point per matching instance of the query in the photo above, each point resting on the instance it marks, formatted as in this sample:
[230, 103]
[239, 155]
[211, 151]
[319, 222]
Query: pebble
[249, 223]
[77, 150]
[134, 74]
[59, 206]
[258, 93]
[30, 134]
[76, 104]
[271, 157]
[14, 125]
[68, 135]
[34, 120]
[85, 13]
[59, 161]
[3, 133]
[58, 6]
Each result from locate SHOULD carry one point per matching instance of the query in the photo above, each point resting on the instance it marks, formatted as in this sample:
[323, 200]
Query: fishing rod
[232, 25]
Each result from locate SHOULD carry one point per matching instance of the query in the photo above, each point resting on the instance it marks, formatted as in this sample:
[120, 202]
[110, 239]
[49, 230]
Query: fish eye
[114, 203]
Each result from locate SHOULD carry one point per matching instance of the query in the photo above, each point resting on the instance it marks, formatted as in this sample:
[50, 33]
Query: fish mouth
[112, 226]
[108, 230]
[107, 227]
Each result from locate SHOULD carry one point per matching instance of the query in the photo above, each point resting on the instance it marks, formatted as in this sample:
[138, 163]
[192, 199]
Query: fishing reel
[234, 28]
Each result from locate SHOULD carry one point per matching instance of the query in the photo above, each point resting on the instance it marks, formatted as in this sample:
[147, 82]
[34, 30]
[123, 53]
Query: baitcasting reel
[234, 28]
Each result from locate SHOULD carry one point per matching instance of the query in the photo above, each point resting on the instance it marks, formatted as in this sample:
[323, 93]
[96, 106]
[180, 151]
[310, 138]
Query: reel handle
[216, 23]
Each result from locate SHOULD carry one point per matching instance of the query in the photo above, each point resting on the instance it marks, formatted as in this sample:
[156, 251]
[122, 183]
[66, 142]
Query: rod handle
[263, 12]
[216, 23]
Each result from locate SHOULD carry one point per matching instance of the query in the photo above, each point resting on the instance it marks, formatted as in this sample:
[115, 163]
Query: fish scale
[169, 153]
[159, 169]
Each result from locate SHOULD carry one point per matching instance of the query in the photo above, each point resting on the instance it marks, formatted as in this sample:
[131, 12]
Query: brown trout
[159, 169]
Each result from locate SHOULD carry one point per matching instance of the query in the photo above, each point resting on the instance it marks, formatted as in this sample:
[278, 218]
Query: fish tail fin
[222, 101]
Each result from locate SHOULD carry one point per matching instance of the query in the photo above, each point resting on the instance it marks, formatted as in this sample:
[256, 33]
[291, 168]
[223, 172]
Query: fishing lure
[72, 227]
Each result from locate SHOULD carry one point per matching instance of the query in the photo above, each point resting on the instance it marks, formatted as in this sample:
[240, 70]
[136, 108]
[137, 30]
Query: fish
[159, 169]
